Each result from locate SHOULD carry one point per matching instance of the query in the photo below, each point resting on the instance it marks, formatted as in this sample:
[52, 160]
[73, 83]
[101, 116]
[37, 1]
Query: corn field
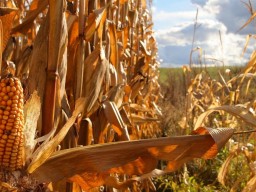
[79, 97]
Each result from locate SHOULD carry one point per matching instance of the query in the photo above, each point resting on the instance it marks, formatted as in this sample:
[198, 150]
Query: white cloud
[215, 17]
[153, 9]
[166, 20]
[232, 13]
[177, 16]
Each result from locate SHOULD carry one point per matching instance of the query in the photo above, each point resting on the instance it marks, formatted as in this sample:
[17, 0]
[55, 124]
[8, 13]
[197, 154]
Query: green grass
[165, 72]
[212, 71]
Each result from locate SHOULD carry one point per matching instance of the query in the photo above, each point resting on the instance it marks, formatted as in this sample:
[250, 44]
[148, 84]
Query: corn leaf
[248, 21]
[112, 114]
[130, 157]
[98, 16]
[96, 81]
[37, 7]
[7, 21]
[237, 111]
[47, 148]
[113, 46]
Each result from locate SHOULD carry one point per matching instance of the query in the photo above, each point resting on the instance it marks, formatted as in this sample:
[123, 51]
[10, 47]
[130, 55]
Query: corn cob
[11, 123]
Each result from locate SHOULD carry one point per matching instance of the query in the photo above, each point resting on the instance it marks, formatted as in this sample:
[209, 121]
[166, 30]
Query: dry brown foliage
[90, 71]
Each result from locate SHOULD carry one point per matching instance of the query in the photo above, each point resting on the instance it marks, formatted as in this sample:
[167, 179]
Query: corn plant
[89, 76]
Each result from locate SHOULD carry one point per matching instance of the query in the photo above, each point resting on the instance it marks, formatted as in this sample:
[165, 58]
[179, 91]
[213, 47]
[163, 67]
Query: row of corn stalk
[89, 73]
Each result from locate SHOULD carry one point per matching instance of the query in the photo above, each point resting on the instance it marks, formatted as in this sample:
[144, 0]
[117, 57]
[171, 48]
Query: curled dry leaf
[237, 111]
[131, 157]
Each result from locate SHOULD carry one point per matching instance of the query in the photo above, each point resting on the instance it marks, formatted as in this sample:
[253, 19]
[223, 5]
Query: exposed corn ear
[11, 123]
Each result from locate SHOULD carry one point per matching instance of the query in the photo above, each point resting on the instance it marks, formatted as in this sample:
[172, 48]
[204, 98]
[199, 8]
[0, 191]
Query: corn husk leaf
[113, 115]
[37, 7]
[47, 148]
[116, 94]
[31, 113]
[113, 46]
[130, 157]
[98, 16]
[7, 21]
[96, 81]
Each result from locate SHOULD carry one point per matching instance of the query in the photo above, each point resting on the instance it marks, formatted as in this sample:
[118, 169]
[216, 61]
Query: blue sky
[174, 22]
[168, 6]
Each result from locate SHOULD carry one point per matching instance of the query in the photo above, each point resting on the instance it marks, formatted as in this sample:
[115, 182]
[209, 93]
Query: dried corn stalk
[105, 52]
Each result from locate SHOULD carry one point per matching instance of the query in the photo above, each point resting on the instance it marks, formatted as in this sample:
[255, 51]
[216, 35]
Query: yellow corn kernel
[6, 159]
[8, 127]
[8, 108]
[8, 147]
[8, 88]
[5, 97]
[9, 102]
[10, 141]
[4, 137]
[6, 113]
[11, 123]
[2, 141]
[13, 88]
[10, 94]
